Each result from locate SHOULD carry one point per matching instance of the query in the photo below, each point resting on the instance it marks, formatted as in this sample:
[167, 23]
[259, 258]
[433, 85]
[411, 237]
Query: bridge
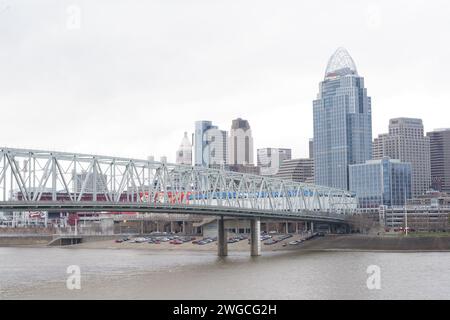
[36, 180]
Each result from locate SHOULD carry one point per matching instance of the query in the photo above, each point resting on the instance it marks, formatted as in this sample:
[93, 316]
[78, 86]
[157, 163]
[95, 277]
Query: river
[41, 273]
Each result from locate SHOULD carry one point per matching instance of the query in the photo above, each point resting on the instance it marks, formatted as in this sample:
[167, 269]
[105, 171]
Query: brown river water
[41, 273]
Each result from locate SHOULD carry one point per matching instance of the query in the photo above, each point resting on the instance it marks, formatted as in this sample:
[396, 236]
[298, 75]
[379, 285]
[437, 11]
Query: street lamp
[406, 211]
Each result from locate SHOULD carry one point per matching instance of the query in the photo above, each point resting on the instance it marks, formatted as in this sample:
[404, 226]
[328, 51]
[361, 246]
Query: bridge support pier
[255, 234]
[222, 241]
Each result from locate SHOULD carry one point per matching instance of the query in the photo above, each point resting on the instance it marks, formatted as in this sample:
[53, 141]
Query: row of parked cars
[295, 242]
[273, 240]
[157, 240]
[237, 238]
[204, 241]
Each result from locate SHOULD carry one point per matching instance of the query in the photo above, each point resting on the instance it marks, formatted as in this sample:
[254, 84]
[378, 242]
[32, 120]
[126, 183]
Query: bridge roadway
[97, 206]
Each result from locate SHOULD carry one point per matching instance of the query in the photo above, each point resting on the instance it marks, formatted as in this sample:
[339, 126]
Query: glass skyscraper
[342, 122]
[381, 182]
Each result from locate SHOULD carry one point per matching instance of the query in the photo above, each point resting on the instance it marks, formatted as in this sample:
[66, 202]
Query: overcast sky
[127, 78]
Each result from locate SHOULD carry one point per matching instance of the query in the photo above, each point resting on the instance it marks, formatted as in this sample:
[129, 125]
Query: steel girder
[35, 177]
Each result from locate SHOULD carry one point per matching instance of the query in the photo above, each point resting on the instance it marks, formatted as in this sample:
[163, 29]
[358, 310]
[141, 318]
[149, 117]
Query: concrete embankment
[24, 240]
[382, 243]
[11, 240]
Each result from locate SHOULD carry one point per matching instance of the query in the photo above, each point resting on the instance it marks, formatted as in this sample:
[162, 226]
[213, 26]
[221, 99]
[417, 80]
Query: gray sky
[129, 77]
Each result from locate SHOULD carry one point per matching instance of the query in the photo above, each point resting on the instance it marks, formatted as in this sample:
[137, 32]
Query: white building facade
[184, 152]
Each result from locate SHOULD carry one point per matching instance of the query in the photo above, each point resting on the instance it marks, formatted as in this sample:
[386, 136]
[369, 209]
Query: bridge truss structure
[70, 182]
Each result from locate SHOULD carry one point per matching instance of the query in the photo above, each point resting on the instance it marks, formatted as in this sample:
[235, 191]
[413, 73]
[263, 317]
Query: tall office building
[440, 159]
[211, 145]
[381, 182]
[270, 160]
[342, 122]
[241, 143]
[199, 141]
[298, 170]
[407, 143]
[184, 152]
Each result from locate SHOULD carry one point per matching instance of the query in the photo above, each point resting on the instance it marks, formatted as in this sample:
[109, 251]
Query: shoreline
[328, 243]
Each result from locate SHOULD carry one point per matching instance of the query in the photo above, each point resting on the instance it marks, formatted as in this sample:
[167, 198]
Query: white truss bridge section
[70, 182]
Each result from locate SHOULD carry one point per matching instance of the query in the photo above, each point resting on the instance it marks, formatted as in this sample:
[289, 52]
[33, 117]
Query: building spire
[340, 64]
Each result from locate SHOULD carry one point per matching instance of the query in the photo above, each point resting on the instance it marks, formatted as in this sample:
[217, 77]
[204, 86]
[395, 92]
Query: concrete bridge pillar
[222, 241]
[255, 234]
[312, 227]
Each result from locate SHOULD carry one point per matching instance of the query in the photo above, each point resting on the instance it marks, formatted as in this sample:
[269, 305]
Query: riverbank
[25, 240]
[329, 242]
[378, 243]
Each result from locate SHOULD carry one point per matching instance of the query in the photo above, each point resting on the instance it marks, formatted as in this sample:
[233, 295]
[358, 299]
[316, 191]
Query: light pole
[406, 213]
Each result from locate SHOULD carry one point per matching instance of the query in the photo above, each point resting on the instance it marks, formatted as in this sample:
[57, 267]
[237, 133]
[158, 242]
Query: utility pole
[406, 214]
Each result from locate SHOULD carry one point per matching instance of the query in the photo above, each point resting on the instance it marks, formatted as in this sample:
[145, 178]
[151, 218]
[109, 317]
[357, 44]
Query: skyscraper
[270, 160]
[407, 143]
[440, 159]
[211, 145]
[342, 122]
[199, 141]
[241, 143]
[184, 152]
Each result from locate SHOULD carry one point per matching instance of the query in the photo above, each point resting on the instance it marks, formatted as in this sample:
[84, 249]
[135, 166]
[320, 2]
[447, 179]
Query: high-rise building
[199, 141]
[381, 182]
[407, 143]
[298, 170]
[270, 160]
[241, 143]
[440, 159]
[342, 122]
[211, 145]
[184, 152]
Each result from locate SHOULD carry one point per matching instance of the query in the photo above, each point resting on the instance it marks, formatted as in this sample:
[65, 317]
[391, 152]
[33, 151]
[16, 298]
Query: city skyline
[264, 67]
[223, 157]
